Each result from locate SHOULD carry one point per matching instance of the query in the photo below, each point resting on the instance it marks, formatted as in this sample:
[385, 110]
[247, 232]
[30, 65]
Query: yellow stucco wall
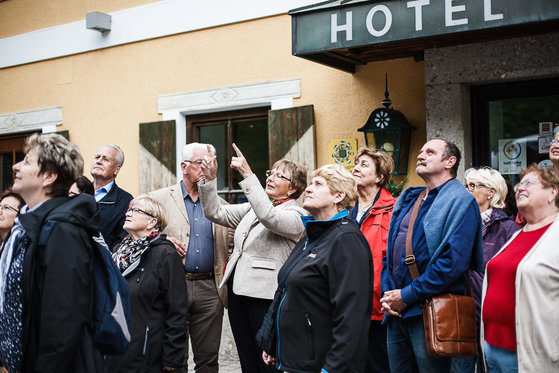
[21, 16]
[105, 94]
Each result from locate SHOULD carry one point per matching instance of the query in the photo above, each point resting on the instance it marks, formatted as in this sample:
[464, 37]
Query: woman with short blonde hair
[323, 318]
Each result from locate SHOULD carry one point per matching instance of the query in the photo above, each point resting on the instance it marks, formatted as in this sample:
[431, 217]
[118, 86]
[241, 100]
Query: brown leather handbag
[449, 319]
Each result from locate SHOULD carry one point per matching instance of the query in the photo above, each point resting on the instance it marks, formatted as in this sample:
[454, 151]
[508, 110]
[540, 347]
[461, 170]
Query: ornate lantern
[388, 129]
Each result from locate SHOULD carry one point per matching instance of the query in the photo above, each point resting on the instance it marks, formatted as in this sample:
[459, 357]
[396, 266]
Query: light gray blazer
[264, 236]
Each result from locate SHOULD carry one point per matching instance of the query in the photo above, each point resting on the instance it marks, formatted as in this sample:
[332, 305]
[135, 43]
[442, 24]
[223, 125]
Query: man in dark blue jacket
[113, 201]
[446, 241]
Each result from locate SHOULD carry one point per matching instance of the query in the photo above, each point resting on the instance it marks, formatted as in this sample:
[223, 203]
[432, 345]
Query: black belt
[199, 276]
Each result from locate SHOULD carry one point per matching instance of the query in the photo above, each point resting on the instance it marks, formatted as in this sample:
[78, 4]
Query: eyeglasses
[5, 208]
[526, 183]
[198, 162]
[136, 211]
[553, 142]
[270, 173]
[472, 186]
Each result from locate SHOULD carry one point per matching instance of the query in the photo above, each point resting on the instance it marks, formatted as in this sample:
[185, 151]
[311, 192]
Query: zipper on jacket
[278, 359]
[145, 341]
[308, 328]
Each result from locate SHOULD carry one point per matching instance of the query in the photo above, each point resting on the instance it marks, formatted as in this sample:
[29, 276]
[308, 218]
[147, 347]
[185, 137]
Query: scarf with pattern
[130, 250]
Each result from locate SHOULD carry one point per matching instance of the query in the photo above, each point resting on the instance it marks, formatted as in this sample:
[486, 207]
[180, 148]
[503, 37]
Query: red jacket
[375, 229]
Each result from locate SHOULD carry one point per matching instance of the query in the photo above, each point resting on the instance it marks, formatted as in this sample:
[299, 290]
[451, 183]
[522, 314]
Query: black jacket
[158, 303]
[323, 319]
[113, 210]
[57, 288]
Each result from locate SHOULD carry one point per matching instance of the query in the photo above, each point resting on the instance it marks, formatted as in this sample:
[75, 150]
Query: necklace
[366, 206]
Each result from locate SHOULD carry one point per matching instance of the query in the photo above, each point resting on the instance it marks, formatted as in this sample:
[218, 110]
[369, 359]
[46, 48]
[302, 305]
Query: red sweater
[500, 299]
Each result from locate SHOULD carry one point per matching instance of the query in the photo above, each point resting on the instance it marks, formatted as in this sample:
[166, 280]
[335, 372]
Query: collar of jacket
[111, 196]
[385, 203]
[315, 228]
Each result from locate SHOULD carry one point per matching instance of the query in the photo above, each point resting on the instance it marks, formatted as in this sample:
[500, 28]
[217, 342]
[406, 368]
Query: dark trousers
[245, 316]
[377, 356]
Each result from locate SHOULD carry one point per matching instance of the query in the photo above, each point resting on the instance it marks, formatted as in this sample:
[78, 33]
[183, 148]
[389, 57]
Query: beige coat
[178, 226]
[537, 304]
[264, 236]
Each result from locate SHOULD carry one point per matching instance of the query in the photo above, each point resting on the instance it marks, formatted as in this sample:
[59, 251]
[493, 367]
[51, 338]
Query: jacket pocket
[263, 263]
[308, 328]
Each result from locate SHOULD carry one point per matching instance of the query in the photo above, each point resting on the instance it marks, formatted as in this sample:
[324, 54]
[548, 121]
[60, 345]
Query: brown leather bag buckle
[409, 260]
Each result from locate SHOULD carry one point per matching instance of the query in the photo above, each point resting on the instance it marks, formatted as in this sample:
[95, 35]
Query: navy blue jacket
[112, 211]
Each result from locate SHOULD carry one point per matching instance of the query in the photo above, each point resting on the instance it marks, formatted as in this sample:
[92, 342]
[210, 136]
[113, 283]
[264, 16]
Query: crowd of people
[340, 278]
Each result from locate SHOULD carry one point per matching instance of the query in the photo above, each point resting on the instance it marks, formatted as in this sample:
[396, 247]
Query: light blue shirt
[103, 191]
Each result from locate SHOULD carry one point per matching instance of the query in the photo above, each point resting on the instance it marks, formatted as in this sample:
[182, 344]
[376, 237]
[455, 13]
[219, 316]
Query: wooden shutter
[291, 135]
[157, 155]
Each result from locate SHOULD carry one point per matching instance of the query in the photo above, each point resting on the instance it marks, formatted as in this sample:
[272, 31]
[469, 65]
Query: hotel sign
[331, 26]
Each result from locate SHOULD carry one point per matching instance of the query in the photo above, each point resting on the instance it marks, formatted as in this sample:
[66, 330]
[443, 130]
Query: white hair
[119, 157]
[188, 150]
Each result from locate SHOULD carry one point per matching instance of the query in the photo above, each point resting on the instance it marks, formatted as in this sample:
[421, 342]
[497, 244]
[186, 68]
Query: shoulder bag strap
[409, 260]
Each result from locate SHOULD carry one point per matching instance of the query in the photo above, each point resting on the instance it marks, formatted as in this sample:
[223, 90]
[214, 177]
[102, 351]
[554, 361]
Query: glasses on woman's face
[472, 186]
[554, 142]
[277, 175]
[136, 211]
[6, 208]
[526, 183]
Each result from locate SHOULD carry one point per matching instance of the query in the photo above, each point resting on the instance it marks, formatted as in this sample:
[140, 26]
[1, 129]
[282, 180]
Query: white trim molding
[155, 20]
[278, 94]
[45, 120]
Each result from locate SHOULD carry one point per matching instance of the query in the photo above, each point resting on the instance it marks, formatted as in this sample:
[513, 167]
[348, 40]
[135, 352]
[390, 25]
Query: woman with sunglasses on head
[10, 204]
[267, 227]
[490, 190]
[520, 323]
[155, 275]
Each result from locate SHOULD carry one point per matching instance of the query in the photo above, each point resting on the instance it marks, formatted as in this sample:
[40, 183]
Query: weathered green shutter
[291, 135]
[157, 155]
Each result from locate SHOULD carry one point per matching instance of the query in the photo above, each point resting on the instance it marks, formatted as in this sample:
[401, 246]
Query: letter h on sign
[335, 28]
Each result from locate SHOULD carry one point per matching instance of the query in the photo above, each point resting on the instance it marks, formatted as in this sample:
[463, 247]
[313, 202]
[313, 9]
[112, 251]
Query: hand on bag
[168, 369]
[240, 163]
[392, 303]
[179, 246]
[269, 360]
[209, 166]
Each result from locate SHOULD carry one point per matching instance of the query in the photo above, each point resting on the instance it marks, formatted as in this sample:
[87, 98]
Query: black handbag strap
[409, 260]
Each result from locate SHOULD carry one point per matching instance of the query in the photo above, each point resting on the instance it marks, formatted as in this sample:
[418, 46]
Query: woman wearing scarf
[266, 229]
[155, 277]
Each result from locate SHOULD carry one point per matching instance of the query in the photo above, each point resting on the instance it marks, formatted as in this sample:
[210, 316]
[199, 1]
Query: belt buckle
[409, 260]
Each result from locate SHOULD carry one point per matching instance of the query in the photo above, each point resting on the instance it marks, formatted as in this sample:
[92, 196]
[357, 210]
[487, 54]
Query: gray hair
[188, 150]
[119, 158]
[57, 155]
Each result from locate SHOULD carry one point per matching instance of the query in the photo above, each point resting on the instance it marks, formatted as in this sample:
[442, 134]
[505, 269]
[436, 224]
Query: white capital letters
[449, 9]
[335, 28]
[487, 12]
[417, 4]
[387, 24]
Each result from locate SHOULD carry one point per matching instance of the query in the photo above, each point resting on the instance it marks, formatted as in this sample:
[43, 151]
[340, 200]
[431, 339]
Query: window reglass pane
[251, 136]
[514, 132]
[217, 136]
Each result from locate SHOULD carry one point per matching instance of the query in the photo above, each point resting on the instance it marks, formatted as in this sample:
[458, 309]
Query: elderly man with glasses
[204, 248]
